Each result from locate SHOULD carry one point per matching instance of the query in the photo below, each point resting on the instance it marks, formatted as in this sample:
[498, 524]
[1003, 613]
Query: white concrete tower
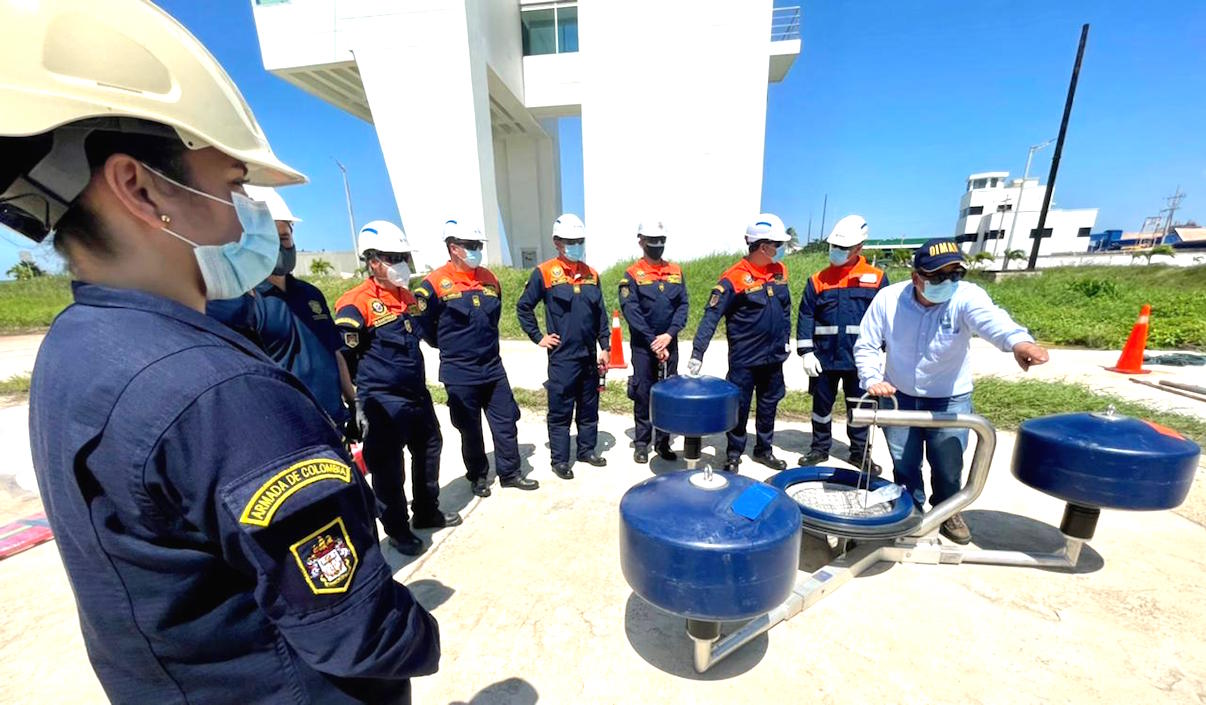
[465, 95]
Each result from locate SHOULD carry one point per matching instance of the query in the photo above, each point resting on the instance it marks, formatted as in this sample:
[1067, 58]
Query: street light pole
[1021, 192]
[347, 194]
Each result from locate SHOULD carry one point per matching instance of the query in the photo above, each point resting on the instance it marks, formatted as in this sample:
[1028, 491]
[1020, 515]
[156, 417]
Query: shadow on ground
[661, 639]
[1001, 531]
[512, 691]
[430, 593]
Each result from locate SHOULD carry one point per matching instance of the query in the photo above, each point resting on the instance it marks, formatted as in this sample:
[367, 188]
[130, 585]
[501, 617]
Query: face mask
[939, 293]
[473, 258]
[654, 252]
[838, 256]
[575, 252]
[780, 251]
[233, 269]
[286, 260]
[399, 275]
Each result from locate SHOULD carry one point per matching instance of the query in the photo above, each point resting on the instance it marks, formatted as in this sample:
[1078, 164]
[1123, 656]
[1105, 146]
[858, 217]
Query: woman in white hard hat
[219, 545]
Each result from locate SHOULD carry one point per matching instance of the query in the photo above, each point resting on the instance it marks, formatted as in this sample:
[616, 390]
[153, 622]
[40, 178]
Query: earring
[167, 219]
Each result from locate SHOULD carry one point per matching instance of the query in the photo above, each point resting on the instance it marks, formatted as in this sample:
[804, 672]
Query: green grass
[1006, 403]
[17, 384]
[1075, 306]
[31, 305]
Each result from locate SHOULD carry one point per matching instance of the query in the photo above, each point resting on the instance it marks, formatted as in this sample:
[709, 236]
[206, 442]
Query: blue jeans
[943, 449]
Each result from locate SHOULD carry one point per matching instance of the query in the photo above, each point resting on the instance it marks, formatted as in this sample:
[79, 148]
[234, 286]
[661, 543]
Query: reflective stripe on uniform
[852, 330]
[825, 330]
[806, 343]
[822, 419]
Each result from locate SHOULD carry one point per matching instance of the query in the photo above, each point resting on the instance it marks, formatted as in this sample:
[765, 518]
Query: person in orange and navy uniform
[755, 302]
[831, 310]
[578, 341]
[653, 298]
[459, 306]
[382, 334]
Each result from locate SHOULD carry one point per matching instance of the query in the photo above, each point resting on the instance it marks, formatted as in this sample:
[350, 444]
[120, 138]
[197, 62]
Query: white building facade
[465, 96]
[997, 215]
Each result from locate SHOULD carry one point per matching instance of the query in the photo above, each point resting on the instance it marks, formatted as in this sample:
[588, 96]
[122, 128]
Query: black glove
[353, 431]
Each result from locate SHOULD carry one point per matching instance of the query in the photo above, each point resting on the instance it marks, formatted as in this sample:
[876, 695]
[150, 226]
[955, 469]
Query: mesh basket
[837, 499]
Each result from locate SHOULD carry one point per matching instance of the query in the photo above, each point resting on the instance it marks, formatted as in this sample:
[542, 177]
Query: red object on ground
[1131, 360]
[617, 344]
[23, 534]
[358, 457]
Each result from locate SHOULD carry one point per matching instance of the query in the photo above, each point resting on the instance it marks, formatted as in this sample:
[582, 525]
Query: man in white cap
[578, 341]
[755, 302]
[459, 306]
[289, 320]
[831, 309]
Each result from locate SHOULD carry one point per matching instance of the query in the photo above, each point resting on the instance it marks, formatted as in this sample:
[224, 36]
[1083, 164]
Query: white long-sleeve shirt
[926, 346]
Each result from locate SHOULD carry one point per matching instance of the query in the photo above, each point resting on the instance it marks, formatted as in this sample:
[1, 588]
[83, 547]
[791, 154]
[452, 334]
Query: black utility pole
[1059, 149]
[824, 207]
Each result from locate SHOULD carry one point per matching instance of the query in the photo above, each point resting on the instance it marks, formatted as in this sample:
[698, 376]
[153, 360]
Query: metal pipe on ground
[1170, 390]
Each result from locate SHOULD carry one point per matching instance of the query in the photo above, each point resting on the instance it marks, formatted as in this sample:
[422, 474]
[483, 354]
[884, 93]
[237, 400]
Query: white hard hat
[382, 236]
[69, 67]
[768, 226]
[457, 230]
[652, 228]
[848, 232]
[276, 205]
[569, 227]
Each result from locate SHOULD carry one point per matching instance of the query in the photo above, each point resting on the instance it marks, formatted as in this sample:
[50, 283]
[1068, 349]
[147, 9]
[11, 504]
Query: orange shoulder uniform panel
[861, 275]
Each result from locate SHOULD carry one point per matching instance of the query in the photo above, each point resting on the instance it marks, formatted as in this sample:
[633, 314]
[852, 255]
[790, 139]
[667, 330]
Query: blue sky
[888, 108]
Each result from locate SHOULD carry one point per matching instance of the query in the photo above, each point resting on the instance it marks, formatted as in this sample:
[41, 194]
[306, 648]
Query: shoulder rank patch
[712, 302]
[377, 306]
[445, 284]
[327, 559]
[624, 290]
[421, 302]
[315, 307]
[281, 486]
[351, 339]
[406, 323]
[416, 309]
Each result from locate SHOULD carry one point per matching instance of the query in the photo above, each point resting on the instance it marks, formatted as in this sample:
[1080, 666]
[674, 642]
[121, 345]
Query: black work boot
[664, 452]
[814, 457]
[595, 460]
[640, 455]
[770, 461]
[435, 520]
[519, 482]
[563, 471]
[481, 487]
[405, 542]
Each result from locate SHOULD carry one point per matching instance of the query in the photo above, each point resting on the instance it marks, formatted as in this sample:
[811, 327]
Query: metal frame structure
[914, 547]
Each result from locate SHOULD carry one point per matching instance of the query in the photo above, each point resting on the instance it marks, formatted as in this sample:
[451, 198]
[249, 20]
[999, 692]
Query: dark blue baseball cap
[936, 254]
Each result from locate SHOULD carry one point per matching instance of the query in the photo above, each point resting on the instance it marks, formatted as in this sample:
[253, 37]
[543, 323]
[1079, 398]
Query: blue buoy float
[693, 407]
[711, 547]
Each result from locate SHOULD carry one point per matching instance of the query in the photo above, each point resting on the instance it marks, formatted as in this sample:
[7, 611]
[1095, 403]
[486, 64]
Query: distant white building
[465, 96]
[998, 215]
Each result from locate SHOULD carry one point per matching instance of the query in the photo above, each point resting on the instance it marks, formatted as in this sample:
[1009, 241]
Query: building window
[1083, 232]
[970, 237]
[550, 30]
[1034, 231]
[979, 183]
[1004, 207]
[975, 210]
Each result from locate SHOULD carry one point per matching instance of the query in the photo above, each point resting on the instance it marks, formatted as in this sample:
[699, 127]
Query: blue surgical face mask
[838, 256]
[780, 252]
[940, 292]
[473, 258]
[575, 252]
[233, 269]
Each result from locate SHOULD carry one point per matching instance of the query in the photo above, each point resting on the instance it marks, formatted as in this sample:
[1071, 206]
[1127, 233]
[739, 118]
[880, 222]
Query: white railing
[785, 23]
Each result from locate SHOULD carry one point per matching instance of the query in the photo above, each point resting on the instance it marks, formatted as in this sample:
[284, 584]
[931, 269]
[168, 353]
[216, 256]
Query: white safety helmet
[382, 236]
[569, 227]
[768, 226]
[652, 228]
[70, 67]
[848, 232]
[276, 205]
[457, 230]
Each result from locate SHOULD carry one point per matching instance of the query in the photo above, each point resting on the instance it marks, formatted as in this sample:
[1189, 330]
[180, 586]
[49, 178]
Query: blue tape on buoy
[753, 500]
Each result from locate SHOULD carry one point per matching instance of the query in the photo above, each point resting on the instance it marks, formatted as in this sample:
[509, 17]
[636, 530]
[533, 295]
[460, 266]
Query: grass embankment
[1076, 306]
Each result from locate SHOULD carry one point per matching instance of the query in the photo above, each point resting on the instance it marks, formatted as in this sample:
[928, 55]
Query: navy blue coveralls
[382, 332]
[293, 326]
[574, 310]
[653, 299]
[460, 313]
[831, 310]
[219, 545]
[756, 306]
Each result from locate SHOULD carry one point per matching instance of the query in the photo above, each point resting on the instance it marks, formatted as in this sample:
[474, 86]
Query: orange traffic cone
[1131, 360]
[617, 344]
